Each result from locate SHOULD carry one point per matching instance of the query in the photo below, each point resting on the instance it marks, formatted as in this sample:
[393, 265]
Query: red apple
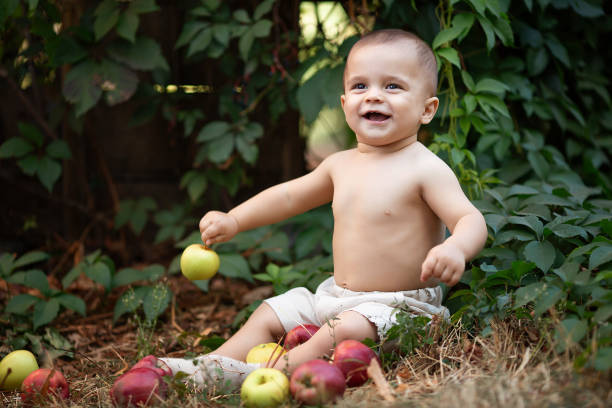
[317, 382]
[139, 385]
[353, 358]
[42, 382]
[154, 364]
[299, 334]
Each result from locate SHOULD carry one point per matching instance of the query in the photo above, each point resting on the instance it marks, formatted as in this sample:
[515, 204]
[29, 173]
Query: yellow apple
[199, 262]
[15, 367]
[264, 353]
[264, 388]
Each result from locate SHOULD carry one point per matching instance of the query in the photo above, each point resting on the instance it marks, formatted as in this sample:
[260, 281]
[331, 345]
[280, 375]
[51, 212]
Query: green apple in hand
[264, 388]
[15, 367]
[199, 262]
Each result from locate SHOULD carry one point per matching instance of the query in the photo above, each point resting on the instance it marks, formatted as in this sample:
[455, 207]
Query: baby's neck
[388, 148]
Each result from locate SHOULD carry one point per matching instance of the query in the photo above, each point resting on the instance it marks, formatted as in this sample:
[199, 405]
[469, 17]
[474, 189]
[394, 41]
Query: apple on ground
[199, 262]
[140, 385]
[265, 353]
[154, 364]
[353, 358]
[317, 382]
[41, 383]
[15, 367]
[264, 388]
[299, 334]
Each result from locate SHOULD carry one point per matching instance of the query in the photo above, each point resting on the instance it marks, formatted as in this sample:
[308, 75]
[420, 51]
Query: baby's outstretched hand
[445, 262]
[217, 226]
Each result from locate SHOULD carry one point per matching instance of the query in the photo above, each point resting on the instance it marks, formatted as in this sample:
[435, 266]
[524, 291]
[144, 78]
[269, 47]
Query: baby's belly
[370, 269]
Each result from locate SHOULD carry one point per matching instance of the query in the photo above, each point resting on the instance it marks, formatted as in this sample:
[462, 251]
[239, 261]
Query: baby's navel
[387, 212]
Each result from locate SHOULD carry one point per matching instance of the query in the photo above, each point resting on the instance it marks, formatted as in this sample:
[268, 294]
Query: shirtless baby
[391, 198]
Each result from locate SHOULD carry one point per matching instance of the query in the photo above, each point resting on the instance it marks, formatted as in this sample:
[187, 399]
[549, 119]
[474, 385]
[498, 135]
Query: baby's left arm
[442, 192]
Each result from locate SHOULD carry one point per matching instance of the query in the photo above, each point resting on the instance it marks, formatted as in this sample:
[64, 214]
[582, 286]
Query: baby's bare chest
[377, 193]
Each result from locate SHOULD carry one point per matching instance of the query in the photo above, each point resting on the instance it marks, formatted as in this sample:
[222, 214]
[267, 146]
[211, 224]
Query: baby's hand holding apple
[217, 226]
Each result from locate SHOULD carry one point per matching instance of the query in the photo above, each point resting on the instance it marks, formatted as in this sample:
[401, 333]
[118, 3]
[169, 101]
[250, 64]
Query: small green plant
[47, 305]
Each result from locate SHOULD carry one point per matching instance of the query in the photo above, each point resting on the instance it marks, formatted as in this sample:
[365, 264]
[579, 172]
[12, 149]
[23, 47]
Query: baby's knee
[352, 325]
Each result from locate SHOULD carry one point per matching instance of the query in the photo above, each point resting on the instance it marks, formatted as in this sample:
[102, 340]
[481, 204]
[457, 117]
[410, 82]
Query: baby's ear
[431, 106]
[342, 98]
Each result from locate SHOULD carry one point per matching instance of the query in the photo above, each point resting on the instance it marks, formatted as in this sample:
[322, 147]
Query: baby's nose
[374, 94]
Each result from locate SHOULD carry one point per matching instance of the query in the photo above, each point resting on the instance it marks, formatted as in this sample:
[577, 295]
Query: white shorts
[300, 306]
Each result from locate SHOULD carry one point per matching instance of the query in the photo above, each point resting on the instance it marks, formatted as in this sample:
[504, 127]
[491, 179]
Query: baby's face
[386, 97]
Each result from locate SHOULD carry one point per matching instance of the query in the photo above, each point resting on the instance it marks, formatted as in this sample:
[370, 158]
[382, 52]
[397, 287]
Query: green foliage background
[525, 121]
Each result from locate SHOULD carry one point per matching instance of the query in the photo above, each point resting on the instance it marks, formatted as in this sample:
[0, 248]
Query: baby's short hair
[424, 51]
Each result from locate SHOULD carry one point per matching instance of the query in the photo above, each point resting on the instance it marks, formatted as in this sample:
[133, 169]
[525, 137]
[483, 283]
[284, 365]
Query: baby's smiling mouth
[376, 116]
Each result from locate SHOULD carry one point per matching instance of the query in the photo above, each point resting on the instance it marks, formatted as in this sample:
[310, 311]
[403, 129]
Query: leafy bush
[524, 121]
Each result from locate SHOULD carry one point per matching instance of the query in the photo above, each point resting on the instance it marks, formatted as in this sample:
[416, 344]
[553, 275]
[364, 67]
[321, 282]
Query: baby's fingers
[428, 268]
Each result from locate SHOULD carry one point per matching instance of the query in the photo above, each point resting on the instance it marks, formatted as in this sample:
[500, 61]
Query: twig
[383, 387]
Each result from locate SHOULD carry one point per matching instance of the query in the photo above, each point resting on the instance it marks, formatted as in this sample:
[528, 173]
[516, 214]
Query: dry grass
[513, 367]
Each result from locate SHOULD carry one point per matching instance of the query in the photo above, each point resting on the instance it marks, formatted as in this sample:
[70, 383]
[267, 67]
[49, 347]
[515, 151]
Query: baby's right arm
[272, 205]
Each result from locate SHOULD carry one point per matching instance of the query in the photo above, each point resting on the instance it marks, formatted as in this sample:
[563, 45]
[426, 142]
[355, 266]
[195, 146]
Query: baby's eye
[393, 86]
[359, 86]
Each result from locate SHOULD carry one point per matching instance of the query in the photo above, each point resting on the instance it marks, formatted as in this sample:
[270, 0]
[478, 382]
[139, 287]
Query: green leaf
[530, 221]
[540, 253]
[569, 332]
[48, 172]
[37, 279]
[308, 240]
[107, 17]
[127, 25]
[247, 150]
[156, 301]
[72, 302]
[45, 312]
[197, 184]
[144, 54]
[58, 149]
[600, 256]
[603, 359]
[100, 273]
[15, 147]
[491, 85]
[262, 28]
[30, 258]
[245, 43]
[219, 150]
[126, 276]
[586, 9]
[213, 130]
[537, 60]
[263, 8]
[143, 6]
[485, 101]
[528, 293]
[242, 16]
[81, 86]
[234, 266]
[445, 36]
[489, 31]
[129, 301]
[468, 82]
[200, 42]
[190, 29]
[538, 164]
[603, 314]
[451, 55]
[550, 297]
[21, 303]
[557, 49]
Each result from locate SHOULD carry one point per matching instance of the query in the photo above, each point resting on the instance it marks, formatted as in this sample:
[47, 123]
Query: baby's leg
[262, 327]
[347, 325]
[226, 364]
